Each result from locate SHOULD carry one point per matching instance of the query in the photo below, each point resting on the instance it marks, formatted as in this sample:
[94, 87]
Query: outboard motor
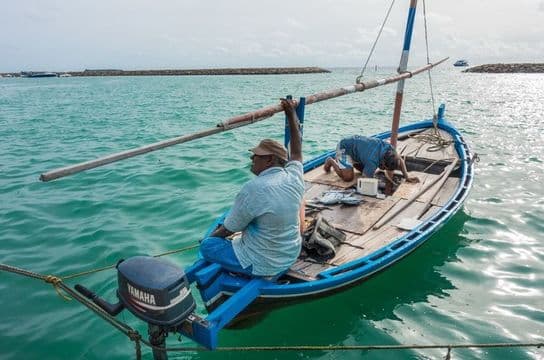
[155, 291]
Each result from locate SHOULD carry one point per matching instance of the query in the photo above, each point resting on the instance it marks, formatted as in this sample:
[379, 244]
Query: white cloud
[186, 33]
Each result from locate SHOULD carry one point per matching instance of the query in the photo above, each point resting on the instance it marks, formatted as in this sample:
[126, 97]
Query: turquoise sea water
[480, 279]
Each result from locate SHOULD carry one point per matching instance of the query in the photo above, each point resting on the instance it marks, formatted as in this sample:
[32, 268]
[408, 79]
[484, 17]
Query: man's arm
[296, 139]
[410, 179]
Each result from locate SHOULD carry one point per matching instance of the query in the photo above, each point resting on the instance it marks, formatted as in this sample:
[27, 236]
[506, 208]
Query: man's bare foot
[328, 165]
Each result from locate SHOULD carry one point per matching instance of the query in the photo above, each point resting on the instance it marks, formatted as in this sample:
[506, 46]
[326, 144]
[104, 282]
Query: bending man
[266, 211]
[365, 154]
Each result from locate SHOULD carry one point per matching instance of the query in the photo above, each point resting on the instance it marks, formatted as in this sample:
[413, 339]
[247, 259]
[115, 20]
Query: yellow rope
[56, 281]
[93, 271]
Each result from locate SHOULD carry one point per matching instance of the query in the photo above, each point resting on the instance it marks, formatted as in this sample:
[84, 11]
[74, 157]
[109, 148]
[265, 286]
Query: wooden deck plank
[384, 236]
[430, 212]
[358, 219]
[366, 244]
[412, 211]
[406, 190]
[448, 189]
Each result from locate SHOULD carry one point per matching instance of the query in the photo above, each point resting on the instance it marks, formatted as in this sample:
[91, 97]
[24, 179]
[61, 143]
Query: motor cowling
[154, 290]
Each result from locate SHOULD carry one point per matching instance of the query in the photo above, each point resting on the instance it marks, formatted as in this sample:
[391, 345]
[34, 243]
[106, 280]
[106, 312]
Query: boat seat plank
[319, 176]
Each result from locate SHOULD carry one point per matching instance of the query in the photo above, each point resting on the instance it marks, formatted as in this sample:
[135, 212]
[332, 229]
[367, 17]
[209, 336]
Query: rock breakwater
[507, 68]
[179, 72]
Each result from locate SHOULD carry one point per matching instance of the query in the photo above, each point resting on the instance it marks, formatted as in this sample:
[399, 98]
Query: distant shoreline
[178, 72]
[508, 68]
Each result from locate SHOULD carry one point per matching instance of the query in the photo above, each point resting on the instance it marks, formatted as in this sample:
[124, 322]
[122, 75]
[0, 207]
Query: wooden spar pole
[402, 69]
[228, 124]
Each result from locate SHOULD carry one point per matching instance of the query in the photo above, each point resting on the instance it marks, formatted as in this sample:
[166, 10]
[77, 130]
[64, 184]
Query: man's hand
[412, 179]
[221, 232]
[288, 105]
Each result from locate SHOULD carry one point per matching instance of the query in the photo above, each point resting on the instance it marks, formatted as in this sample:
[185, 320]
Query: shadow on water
[349, 317]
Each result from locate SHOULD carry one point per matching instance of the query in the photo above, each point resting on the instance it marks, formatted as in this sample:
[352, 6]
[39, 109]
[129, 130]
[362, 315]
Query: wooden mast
[402, 69]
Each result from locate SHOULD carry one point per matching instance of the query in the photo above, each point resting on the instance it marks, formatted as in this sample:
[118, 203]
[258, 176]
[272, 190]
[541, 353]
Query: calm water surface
[478, 280]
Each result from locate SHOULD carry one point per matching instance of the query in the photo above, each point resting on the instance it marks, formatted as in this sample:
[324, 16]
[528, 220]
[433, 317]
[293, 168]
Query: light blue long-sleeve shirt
[266, 210]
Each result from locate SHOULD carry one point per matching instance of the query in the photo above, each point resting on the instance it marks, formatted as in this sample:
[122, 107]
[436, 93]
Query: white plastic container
[367, 186]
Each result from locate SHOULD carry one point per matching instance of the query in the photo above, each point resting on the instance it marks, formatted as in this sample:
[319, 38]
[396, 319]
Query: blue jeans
[219, 250]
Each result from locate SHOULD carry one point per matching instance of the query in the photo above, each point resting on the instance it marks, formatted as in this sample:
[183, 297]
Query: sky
[73, 35]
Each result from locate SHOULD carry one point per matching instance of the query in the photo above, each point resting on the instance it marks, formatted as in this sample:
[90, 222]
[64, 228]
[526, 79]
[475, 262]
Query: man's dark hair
[389, 160]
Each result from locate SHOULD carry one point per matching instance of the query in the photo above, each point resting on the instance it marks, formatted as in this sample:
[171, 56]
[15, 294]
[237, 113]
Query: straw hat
[270, 147]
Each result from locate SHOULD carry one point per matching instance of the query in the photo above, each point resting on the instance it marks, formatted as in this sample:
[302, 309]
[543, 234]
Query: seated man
[266, 211]
[366, 154]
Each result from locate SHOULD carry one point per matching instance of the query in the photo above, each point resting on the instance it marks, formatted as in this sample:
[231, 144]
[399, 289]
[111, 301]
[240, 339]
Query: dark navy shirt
[366, 151]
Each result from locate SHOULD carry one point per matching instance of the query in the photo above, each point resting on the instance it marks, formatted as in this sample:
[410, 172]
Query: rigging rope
[436, 140]
[92, 271]
[135, 336]
[375, 42]
[428, 61]
[132, 334]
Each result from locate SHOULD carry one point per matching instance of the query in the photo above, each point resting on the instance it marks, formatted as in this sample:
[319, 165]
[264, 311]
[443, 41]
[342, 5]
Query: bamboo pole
[228, 124]
[443, 176]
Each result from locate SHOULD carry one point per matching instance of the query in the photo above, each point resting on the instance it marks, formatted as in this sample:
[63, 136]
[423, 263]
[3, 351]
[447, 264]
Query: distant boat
[31, 74]
[461, 63]
[65, 75]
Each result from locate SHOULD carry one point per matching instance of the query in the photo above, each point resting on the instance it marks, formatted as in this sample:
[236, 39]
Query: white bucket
[367, 186]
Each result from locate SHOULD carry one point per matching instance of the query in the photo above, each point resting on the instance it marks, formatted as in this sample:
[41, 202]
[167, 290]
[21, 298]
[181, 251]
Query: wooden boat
[374, 234]
[369, 236]
[370, 246]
